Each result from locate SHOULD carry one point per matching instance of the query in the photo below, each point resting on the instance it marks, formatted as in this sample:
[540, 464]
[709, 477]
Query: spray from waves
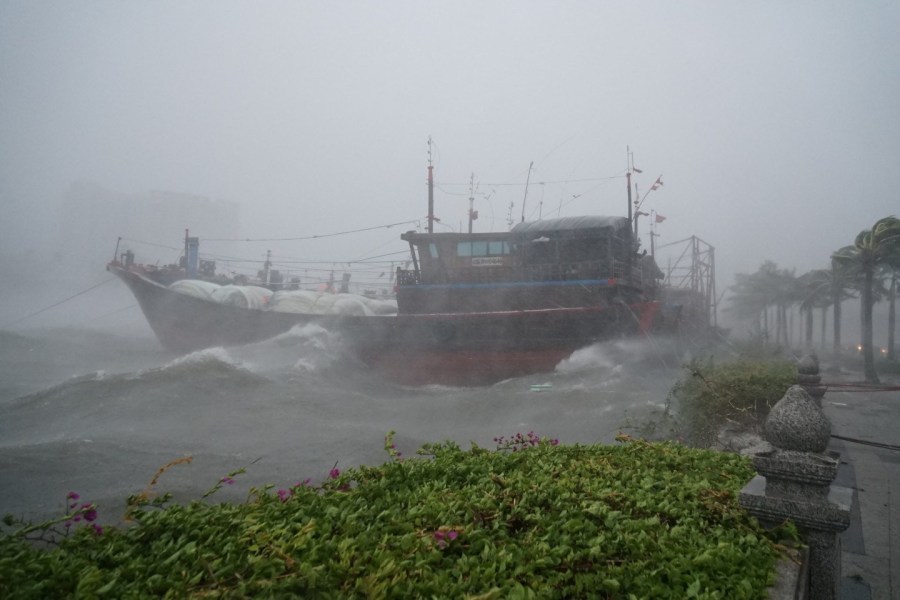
[213, 365]
[305, 349]
[627, 355]
[210, 358]
[592, 358]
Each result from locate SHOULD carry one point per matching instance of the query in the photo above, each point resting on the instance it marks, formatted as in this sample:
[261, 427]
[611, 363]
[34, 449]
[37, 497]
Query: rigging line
[438, 187]
[369, 258]
[309, 237]
[46, 308]
[536, 182]
[867, 443]
[124, 239]
[109, 314]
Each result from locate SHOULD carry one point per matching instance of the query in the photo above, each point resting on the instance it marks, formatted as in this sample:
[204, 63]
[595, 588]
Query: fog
[774, 126]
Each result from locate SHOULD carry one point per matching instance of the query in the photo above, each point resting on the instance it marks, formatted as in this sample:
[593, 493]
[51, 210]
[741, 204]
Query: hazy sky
[775, 125]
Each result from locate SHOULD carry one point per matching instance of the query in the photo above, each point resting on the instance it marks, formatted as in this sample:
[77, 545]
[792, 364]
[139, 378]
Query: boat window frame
[481, 248]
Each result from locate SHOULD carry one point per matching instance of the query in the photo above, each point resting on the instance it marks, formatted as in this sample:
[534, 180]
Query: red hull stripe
[512, 284]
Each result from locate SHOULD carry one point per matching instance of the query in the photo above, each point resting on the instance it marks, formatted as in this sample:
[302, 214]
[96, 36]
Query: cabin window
[498, 248]
[433, 250]
[485, 248]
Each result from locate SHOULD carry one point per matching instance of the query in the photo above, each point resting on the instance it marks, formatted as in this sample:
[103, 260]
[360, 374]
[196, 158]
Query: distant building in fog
[152, 224]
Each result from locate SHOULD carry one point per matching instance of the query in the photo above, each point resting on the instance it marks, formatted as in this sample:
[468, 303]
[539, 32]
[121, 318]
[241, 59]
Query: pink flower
[303, 483]
[443, 538]
[284, 495]
[90, 512]
[72, 496]
[334, 473]
[97, 529]
[227, 479]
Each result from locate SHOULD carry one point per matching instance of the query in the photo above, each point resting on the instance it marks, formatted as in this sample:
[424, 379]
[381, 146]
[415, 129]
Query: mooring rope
[46, 308]
[861, 387]
[867, 443]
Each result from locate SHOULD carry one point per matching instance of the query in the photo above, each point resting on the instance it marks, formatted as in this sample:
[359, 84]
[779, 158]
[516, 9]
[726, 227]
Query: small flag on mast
[660, 218]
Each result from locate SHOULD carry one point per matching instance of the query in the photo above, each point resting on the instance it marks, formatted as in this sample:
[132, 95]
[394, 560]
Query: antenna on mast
[527, 180]
[430, 189]
[472, 214]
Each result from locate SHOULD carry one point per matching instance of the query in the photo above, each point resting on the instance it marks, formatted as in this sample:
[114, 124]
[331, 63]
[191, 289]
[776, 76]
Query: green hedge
[740, 392]
[530, 520]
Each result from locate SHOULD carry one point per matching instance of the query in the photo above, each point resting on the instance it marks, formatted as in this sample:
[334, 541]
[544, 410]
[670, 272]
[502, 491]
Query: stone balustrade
[795, 480]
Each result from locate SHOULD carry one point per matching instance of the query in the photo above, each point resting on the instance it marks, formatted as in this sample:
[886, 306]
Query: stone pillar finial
[808, 376]
[796, 422]
[794, 483]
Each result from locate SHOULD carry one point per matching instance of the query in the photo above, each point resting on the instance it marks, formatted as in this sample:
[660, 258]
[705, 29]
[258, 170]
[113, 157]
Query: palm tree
[843, 275]
[748, 302]
[816, 292]
[785, 288]
[871, 249]
[768, 287]
[892, 316]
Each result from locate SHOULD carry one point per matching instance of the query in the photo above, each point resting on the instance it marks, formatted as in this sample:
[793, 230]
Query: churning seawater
[98, 413]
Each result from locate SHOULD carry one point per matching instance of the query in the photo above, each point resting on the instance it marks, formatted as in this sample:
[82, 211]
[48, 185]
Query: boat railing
[590, 269]
[567, 271]
[407, 277]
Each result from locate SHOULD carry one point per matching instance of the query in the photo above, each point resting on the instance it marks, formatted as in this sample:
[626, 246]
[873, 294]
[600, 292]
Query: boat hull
[444, 348]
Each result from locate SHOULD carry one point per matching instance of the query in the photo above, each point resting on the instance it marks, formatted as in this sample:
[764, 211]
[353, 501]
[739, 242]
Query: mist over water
[98, 413]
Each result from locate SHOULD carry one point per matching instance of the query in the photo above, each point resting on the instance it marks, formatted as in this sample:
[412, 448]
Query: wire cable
[310, 237]
[867, 443]
[46, 308]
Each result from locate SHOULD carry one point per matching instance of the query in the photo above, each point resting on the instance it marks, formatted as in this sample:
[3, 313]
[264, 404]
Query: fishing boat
[472, 308]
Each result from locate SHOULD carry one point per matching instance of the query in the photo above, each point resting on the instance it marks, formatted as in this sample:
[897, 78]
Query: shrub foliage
[533, 519]
[710, 396]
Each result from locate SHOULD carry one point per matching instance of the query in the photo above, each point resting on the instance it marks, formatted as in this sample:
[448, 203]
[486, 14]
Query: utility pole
[430, 190]
[471, 201]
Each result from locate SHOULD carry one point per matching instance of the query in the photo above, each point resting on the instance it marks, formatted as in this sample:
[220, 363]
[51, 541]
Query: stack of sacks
[302, 302]
[196, 288]
[320, 303]
[381, 307]
[243, 296]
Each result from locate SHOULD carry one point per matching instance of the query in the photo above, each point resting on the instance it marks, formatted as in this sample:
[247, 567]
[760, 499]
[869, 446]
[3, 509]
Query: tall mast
[628, 235]
[430, 190]
[527, 181]
[471, 201]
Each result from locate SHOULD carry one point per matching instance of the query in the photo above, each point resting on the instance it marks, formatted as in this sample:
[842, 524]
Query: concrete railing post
[795, 483]
[808, 377]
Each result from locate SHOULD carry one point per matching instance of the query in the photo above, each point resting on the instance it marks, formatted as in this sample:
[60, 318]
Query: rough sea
[97, 412]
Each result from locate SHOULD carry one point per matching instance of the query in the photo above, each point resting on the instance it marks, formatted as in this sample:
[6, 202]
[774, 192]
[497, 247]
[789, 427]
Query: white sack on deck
[381, 307]
[348, 304]
[321, 303]
[195, 288]
[302, 301]
[243, 296]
